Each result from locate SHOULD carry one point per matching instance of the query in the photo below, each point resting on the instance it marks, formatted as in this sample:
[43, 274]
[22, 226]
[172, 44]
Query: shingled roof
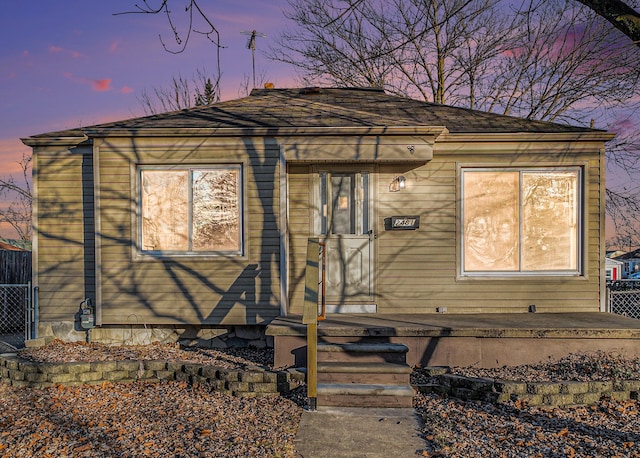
[324, 108]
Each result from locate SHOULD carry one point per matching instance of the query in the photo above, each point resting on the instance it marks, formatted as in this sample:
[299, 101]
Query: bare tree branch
[18, 212]
[618, 13]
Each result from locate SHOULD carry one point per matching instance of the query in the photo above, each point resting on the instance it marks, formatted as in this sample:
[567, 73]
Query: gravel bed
[60, 352]
[174, 419]
[461, 429]
[139, 419]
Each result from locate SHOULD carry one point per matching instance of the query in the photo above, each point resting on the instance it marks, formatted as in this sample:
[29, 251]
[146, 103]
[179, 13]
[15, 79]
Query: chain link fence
[623, 298]
[16, 315]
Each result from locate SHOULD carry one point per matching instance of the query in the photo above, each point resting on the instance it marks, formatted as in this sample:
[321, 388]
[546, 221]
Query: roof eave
[436, 131]
[54, 141]
[586, 136]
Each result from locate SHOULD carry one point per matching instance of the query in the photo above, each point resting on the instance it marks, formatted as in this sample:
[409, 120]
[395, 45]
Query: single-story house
[614, 269]
[201, 217]
[630, 261]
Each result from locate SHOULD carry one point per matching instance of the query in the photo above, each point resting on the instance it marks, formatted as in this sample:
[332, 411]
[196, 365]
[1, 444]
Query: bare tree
[17, 214]
[622, 16]
[548, 60]
[197, 21]
[181, 93]
[553, 60]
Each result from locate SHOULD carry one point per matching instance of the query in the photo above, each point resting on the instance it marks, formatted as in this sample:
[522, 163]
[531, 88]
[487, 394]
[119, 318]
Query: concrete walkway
[354, 432]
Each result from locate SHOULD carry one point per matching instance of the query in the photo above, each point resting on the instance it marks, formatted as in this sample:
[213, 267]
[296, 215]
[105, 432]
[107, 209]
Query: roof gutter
[54, 141]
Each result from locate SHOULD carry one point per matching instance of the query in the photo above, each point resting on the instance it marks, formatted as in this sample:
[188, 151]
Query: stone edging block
[545, 394]
[248, 382]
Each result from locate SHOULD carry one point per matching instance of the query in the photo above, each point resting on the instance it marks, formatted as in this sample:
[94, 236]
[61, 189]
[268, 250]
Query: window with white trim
[191, 210]
[521, 221]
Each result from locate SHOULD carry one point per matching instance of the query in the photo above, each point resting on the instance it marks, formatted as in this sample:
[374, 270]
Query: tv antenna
[251, 44]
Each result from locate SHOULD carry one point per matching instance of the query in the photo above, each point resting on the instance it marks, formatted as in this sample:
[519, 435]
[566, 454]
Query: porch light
[398, 183]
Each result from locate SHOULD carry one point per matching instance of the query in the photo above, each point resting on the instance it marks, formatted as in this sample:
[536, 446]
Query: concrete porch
[484, 340]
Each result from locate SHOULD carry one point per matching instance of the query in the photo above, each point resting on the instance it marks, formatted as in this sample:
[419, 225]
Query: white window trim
[191, 253]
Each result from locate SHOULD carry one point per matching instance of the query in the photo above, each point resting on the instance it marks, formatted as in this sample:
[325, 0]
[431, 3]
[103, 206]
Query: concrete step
[362, 352]
[364, 373]
[364, 395]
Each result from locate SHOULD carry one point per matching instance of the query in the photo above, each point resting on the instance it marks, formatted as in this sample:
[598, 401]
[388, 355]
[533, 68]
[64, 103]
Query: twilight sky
[71, 63]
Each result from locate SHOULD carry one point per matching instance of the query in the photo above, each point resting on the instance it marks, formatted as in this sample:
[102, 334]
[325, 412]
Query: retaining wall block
[199, 380]
[104, 366]
[498, 398]
[574, 387]
[626, 385]
[210, 372]
[600, 386]
[192, 368]
[52, 368]
[183, 377]
[35, 377]
[466, 393]
[263, 387]
[28, 366]
[589, 398]
[77, 368]
[238, 386]
[90, 377]
[155, 365]
[16, 375]
[165, 375]
[116, 375]
[297, 374]
[619, 395]
[130, 366]
[556, 400]
[229, 375]
[543, 388]
[284, 387]
[175, 367]
[532, 399]
[143, 374]
[62, 378]
[509, 387]
[251, 377]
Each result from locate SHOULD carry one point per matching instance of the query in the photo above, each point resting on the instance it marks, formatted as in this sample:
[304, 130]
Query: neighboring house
[631, 263]
[614, 269]
[15, 262]
[202, 216]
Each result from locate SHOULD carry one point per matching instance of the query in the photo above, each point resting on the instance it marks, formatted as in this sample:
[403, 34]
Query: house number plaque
[402, 223]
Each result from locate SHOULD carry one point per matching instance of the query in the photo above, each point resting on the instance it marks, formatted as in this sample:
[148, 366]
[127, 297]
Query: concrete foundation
[191, 336]
[483, 340]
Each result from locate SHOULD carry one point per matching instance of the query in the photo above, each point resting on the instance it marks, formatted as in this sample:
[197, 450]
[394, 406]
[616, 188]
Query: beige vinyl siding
[300, 226]
[419, 271]
[188, 289]
[63, 229]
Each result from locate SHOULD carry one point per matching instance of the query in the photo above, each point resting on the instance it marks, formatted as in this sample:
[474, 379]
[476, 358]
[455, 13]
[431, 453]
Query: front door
[345, 223]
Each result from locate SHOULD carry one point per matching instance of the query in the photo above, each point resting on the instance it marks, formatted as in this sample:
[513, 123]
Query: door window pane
[343, 204]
